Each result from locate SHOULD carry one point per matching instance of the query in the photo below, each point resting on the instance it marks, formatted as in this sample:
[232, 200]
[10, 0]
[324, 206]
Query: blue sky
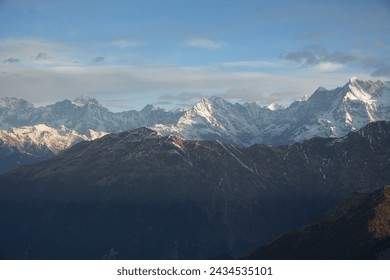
[172, 53]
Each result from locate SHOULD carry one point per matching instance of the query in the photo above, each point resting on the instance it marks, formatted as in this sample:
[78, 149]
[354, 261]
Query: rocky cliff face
[151, 196]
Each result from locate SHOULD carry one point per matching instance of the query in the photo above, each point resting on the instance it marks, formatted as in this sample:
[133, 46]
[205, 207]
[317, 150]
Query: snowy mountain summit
[326, 113]
[14, 104]
[29, 144]
[84, 100]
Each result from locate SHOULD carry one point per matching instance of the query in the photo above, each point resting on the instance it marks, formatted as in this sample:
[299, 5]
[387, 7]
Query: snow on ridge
[353, 80]
[275, 106]
[14, 103]
[42, 136]
[84, 100]
[325, 113]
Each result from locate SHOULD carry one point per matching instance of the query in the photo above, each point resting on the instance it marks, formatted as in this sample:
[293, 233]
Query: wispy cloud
[203, 43]
[184, 98]
[319, 58]
[30, 51]
[383, 70]
[168, 84]
[382, 45]
[98, 59]
[11, 60]
[316, 54]
[37, 81]
[42, 56]
[252, 64]
[328, 66]
[125, 43]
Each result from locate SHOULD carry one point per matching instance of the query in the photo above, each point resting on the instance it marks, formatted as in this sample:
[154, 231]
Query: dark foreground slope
[138, 195]
[357, 227]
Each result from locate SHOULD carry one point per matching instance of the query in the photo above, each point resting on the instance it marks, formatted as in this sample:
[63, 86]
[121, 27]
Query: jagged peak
[366, 85]
[84, 100]
[14, 103]
[363, 89]
[320, 89]
[203, 104]
[207, 106]
[353, 80]
[354, 89]
[148, 108]
[320, 94]
[213, 100]
[380, 83]
[356, 82]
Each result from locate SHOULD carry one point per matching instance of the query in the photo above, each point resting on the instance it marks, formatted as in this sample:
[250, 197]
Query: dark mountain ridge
[148, 196]
[357, 227]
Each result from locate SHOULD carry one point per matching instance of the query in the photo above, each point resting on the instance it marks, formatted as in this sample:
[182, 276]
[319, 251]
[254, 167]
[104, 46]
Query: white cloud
[203, 43]
[31, 51]
[125, 43]
[319, 58]
[144, 84]
[328, 66]
[47, 71]
[253, 64]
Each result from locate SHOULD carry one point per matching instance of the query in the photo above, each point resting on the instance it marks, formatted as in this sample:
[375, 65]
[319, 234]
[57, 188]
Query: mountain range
[217, 179]
[326, 113]
[29, 144]
[142, 195]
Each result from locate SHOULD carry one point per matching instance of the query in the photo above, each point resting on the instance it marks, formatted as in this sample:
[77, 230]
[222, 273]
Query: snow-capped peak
[215, 98]
[275, 106]
[363, 90]
[332, 112]
[14, 103]
[42, 136]
[84, 100]
[204, 105]
[353, 80]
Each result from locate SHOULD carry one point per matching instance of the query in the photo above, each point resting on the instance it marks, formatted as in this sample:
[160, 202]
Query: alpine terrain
[29, 144]
[326, 113]
[143, 195]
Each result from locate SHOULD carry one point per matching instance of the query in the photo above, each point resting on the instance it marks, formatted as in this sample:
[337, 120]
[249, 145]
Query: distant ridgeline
[29, 134]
